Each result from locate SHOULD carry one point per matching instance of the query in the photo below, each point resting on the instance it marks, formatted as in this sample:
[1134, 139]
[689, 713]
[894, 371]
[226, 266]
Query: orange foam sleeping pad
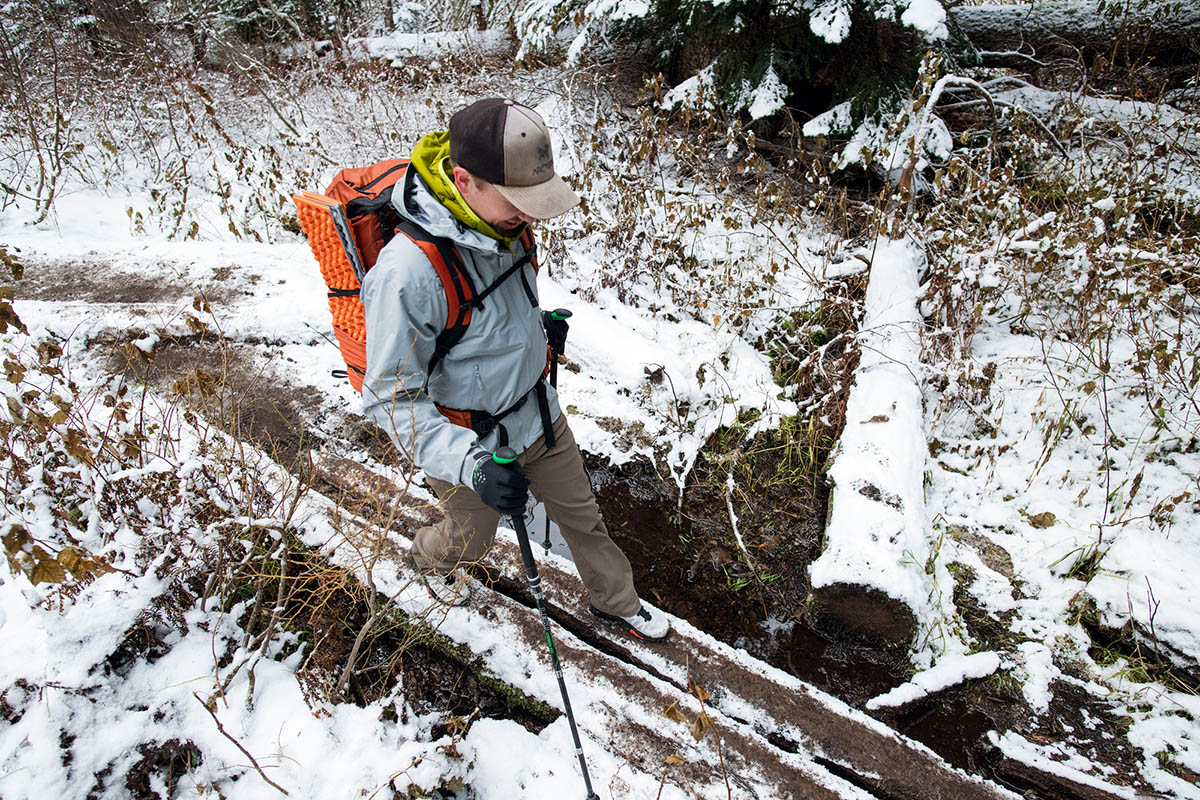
[316, 215]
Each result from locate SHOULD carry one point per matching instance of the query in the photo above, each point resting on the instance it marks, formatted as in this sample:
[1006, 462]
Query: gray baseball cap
[508, 144]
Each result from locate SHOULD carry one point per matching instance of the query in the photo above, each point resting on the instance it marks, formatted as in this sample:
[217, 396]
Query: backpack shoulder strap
[460, 292]
[517, 266]
[530, 246]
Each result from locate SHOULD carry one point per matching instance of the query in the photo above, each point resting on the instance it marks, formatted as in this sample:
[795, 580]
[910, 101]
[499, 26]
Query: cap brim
[543, 201]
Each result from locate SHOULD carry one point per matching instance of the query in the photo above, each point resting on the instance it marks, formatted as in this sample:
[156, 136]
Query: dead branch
[238, 745]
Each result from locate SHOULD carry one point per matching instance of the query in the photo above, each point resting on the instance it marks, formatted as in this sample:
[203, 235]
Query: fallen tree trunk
[1167, 29]
[873, 578]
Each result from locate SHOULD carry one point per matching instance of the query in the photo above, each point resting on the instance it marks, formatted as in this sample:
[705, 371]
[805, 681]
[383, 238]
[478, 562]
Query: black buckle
[483, 425]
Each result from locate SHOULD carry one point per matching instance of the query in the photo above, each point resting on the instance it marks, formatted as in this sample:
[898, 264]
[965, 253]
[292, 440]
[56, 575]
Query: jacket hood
[431, 161]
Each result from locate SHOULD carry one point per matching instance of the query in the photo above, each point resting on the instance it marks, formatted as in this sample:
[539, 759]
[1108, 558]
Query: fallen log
[872, 579]
[1170, 31]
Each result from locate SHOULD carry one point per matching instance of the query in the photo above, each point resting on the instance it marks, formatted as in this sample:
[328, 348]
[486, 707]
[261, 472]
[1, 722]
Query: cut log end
[861, 613]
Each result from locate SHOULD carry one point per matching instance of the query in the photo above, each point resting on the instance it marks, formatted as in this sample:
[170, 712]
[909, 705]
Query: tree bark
[1166, 28]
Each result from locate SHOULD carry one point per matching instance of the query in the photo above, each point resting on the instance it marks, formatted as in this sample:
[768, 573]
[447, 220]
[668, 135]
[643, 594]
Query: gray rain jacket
[496, 363]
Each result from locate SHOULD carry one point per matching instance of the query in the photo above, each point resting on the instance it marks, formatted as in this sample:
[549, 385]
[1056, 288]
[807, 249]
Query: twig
[1152, 605]
[1012, 54]
[343, 684]
[238, 745]
[1005, 104]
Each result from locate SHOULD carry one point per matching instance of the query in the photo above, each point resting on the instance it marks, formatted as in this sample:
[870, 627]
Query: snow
[948, 672]
[398, 47]
[1158, 593]
[766, 98]
[927, 16]
[272, 293]
[896, 521]
[836, 120]
[831, 20]
[695, 92]
[877, 522]
[1056, 760]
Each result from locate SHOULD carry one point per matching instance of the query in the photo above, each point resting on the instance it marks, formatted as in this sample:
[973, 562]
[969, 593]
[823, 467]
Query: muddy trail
[786, 697]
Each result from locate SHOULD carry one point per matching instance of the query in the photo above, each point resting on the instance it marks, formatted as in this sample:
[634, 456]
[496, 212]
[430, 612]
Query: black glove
[504, 487]
[556, 330]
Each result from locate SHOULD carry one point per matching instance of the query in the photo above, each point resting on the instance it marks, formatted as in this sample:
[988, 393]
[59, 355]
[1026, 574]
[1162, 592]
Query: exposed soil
[104, 282]
[687, 575]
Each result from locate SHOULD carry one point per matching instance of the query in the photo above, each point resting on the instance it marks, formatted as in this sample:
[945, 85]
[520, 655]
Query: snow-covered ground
[1058, 462]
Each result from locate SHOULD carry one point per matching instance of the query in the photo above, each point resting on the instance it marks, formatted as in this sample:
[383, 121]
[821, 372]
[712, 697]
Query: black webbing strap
[544, 409]
[484, 423]
[518, 264]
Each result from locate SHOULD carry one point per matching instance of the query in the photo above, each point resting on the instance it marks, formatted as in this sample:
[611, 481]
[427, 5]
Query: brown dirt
[106, 282]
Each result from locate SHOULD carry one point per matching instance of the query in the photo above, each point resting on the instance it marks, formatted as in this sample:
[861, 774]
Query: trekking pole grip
[557, 315]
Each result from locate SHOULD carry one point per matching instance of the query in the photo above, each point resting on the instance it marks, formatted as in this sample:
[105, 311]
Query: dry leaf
[674, 760]
[673, 712]
[701, 726]
[1042, 520]
[700, 692]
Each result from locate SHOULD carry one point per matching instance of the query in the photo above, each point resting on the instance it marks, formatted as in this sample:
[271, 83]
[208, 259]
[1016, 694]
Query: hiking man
[478, 187]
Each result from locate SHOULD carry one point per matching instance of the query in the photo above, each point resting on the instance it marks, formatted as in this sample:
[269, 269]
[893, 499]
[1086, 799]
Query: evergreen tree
[760, 56]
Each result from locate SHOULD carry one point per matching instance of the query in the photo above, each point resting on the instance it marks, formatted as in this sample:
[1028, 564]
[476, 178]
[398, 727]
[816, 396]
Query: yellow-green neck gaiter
[431, 157]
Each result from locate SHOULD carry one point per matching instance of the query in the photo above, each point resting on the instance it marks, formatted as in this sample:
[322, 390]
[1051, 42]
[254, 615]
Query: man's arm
[406, 309]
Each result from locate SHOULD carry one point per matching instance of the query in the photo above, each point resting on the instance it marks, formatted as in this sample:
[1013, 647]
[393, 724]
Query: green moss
[461, 654]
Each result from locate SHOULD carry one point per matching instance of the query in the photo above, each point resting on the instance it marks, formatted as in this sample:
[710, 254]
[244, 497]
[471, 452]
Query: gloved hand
[556, 330]
[504, 487]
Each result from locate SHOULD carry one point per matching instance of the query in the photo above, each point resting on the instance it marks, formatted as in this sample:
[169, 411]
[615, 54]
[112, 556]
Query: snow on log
[400, 47]
[1166, 28]
[871, 578]
[949, 671]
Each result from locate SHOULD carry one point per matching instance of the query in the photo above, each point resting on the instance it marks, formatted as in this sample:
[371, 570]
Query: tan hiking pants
[557, 478]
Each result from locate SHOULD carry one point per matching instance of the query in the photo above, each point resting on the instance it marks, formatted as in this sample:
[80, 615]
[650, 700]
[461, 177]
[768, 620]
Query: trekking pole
[558, 314]
[503, 456]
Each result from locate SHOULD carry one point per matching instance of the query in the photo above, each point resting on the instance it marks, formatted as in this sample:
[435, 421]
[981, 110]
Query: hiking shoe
[647, 624]
[454, 589]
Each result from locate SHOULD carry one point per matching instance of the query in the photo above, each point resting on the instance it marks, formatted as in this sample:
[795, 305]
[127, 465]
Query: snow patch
[831, 20]
[948, 671]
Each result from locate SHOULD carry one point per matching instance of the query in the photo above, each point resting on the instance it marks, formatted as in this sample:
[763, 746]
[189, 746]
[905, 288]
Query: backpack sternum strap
[520, 263]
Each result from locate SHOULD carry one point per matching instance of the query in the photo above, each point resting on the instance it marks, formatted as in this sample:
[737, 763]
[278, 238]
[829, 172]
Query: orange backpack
[348, 226]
